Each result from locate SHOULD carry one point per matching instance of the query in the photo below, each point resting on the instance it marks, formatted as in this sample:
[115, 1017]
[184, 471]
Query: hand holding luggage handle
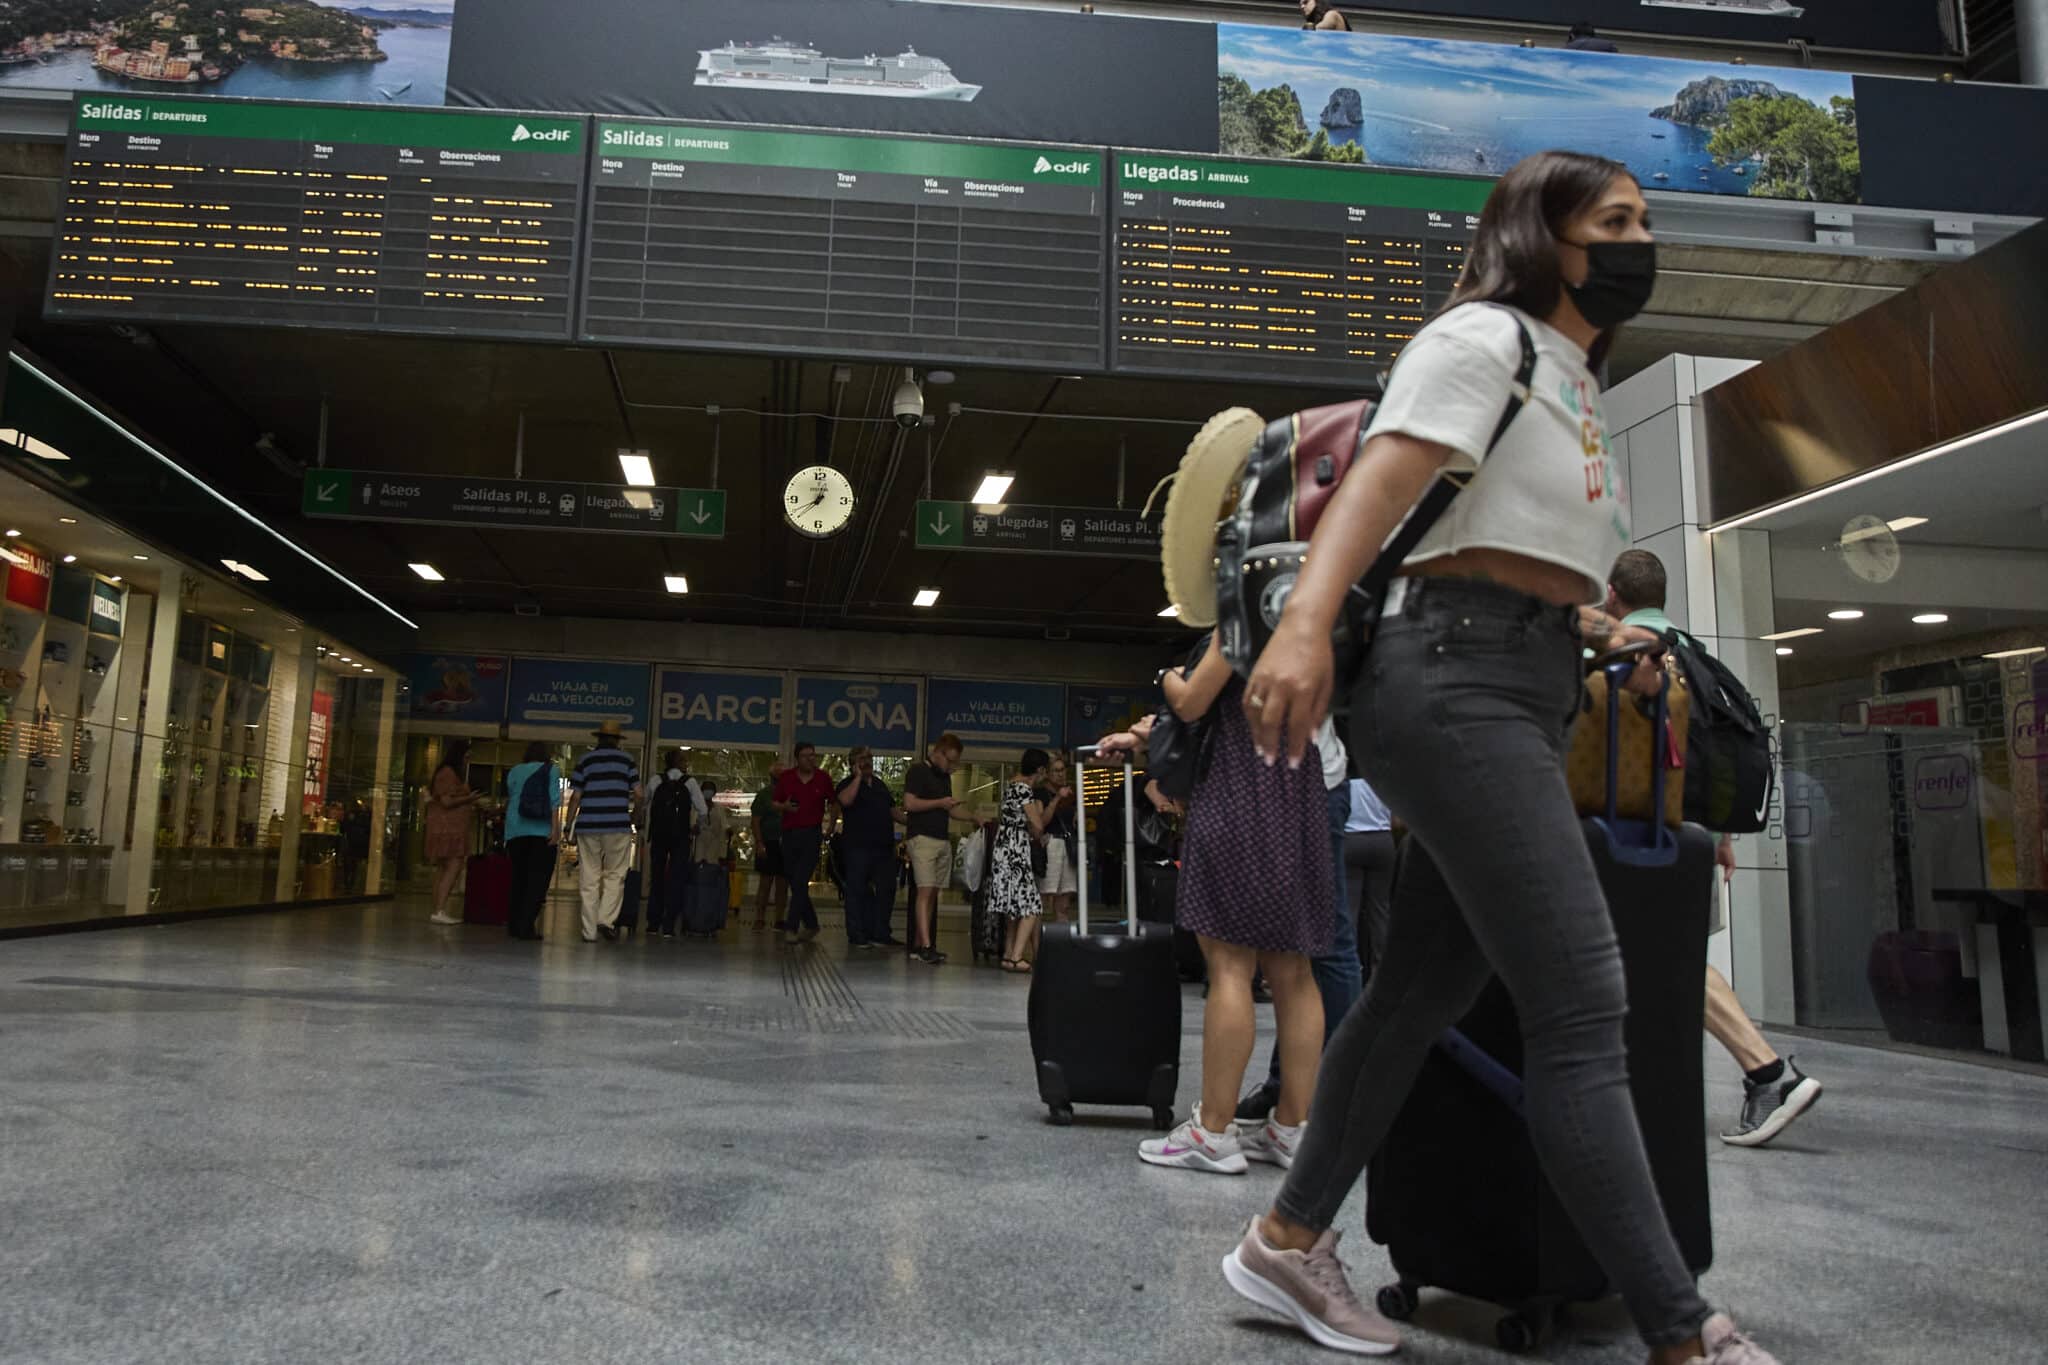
[1084, 753]
[1637, 843]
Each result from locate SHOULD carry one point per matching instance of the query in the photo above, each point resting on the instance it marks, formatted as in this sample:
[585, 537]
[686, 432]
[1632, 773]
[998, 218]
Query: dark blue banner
[740, 709]
[839, 713]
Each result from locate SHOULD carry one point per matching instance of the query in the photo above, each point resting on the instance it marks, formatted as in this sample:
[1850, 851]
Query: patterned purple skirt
[1256, 866]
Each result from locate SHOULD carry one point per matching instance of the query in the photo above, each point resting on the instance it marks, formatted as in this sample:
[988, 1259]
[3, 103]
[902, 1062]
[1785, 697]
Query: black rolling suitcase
[1105, 1006]
[1455, 1192]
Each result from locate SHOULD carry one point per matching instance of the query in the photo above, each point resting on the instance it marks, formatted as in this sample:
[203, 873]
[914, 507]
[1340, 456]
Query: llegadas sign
[693, 707]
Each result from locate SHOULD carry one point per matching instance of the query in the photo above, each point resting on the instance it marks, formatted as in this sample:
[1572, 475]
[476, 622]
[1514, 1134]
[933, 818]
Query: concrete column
[135, 879]
[127, 782]
[380, 784]
[2030, 30]
[305, 678]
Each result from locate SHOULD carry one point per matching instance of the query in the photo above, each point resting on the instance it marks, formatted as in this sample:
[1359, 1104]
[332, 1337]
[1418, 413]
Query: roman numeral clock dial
[818, 502]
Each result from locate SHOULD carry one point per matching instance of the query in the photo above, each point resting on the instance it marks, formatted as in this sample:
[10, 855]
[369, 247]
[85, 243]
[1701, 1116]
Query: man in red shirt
[802, 794]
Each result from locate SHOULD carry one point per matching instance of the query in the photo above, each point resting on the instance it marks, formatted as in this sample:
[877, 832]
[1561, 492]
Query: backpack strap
[1447, 486]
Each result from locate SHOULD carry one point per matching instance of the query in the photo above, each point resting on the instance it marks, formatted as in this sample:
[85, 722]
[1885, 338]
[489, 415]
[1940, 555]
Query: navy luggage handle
[1637, 843]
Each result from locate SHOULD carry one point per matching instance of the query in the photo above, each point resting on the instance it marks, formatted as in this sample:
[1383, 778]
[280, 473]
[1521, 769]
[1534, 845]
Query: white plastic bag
[967, 862]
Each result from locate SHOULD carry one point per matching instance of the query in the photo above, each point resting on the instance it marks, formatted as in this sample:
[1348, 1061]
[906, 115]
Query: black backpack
[669, 819]
[1727, 745]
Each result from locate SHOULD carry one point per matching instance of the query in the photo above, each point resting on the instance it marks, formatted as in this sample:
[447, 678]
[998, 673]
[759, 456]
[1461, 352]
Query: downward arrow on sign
[324, 492]
[939, 526]
[700, 516]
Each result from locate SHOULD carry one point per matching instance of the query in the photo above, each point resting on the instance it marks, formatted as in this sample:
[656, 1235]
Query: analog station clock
[818, 502]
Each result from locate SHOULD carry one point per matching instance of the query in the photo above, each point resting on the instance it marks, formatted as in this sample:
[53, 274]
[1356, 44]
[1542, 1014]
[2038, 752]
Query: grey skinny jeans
[1459, 724]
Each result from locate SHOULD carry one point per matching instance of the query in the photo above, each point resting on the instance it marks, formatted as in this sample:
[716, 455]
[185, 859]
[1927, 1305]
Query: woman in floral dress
[1013, 885]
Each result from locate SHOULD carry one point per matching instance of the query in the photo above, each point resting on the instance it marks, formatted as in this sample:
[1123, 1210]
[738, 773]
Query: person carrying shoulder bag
[1458, 720]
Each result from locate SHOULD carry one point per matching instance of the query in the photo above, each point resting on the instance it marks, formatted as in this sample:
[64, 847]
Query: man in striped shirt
[605, 786]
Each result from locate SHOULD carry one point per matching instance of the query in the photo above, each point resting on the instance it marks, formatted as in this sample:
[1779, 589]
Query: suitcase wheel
[1520, 1333]
[1398, 1302]
[1062, 1115]
[1162, 1120]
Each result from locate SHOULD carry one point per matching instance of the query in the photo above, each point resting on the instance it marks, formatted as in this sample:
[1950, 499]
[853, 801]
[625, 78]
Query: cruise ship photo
[782, 65]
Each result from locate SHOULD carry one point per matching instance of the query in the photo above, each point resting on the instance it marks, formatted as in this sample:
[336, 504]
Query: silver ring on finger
[1257, 703]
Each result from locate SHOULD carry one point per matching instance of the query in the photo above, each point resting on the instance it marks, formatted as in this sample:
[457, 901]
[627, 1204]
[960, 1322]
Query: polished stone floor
[348, 1135]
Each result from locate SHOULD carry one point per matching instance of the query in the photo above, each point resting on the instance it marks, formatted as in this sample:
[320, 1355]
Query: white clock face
[818, 502]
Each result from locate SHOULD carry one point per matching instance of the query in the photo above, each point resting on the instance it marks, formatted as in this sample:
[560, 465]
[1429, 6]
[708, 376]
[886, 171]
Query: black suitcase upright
[1455, 1192]
[1104, 1010]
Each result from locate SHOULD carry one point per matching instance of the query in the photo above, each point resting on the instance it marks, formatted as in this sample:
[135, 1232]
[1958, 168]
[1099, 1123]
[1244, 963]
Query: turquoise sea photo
[1477, 108]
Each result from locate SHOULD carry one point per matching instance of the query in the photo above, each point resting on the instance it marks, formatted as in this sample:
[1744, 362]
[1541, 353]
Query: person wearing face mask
[1458, 721]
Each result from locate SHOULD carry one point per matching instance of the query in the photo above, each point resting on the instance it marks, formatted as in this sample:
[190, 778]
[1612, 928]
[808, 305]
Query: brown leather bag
[1639, 748]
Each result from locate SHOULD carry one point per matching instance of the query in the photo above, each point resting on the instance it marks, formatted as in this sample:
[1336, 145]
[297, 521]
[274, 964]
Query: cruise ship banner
[899, 66]
[375, 52]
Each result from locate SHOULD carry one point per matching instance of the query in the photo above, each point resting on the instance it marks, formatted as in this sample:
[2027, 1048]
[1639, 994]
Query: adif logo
[1046, 164]
[525, 134]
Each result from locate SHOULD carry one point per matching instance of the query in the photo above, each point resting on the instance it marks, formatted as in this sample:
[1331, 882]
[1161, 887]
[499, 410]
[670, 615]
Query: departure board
[725, 237]
[1283, 270]
[400, 220]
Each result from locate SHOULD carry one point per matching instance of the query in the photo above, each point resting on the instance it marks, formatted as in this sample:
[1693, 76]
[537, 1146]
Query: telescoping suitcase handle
[1084, 753]
[1636, 843]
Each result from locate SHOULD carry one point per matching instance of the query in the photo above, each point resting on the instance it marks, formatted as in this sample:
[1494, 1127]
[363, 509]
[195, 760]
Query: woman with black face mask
[1458, 722]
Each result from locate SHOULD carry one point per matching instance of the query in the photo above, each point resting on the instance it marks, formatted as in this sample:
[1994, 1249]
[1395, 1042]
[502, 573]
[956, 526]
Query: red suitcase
[487, 891]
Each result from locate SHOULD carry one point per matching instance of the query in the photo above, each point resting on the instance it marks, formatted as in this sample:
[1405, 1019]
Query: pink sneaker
[1311, 1289]
[1726, 1346]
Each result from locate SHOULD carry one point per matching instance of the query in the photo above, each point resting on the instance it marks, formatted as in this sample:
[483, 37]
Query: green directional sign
[530, 504]
[700, 512]
[327, 492]
[1038, 529]
[939, 523]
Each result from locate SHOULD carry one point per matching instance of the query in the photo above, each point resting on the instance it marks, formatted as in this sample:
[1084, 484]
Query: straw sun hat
[1203, 491]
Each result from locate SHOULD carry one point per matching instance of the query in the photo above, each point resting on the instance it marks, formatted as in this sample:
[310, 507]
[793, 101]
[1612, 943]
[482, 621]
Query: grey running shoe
[1768, 1110]
[1270, 1141]
[1311, 1289]
[1726, 1346]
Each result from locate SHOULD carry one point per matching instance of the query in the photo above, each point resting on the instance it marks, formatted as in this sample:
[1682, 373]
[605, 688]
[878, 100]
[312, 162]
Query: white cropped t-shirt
[1552, 489]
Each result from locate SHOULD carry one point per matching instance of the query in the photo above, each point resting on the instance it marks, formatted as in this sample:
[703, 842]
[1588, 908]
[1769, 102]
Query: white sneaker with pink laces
[1193, 1148]
[1726, 1346]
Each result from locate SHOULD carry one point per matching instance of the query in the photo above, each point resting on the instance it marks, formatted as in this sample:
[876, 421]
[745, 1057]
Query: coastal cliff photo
[1477, 108]
[379, 51]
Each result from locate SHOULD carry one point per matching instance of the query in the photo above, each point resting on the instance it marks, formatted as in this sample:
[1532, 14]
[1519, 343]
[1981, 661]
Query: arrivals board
[722, 237]
[405, 220]
[1280, 270]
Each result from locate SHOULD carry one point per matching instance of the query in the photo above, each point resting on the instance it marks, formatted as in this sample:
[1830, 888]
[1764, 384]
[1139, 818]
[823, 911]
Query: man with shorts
[1775, 1090]
[929, 804]
[767, 822]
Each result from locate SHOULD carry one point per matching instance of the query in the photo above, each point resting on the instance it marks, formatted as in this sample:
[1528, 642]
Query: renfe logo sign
[1941, 782]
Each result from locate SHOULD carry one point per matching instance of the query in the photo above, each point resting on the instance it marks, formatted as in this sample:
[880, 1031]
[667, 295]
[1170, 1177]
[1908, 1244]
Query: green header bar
[214, 117]
[1308, 181]
[841, 152]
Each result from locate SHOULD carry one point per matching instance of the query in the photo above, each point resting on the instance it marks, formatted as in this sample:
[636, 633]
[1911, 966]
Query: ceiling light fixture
[428, 572]
[638, 468]
[210, 491]
[140, 559]
[1845, 614]
[2017, 653]
[1931, 618]
[926, 597]
[39, 448]
[676, 583]
[68, 521]
[1169, 610]
[1865, 476]
[12, 533]
[1783, 650]
[1906, 523]
[70, 559]
[994, 488]
[113, 578]
[247, 571]
[1793, 634]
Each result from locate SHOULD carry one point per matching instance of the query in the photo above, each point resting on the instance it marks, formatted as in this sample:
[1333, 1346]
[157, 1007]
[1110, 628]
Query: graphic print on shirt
[1603, 480]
